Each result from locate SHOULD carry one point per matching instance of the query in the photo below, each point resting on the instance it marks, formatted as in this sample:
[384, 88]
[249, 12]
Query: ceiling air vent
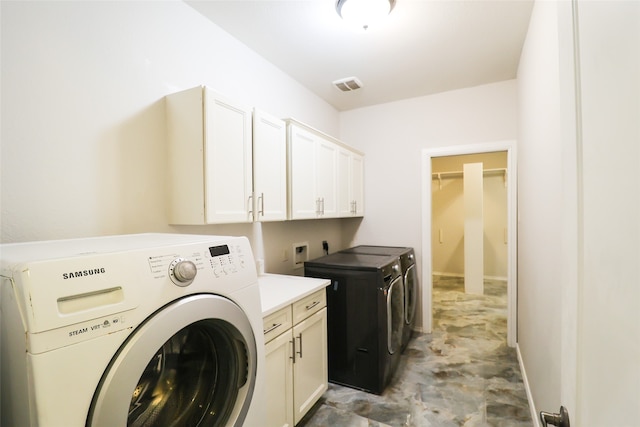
[348, 84]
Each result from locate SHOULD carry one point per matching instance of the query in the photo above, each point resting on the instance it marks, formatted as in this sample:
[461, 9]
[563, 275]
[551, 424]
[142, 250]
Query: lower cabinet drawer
[309, 305]
[276, 323]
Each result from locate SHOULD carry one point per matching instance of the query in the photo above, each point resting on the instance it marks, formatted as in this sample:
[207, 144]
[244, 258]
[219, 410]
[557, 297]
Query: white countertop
[277, 290]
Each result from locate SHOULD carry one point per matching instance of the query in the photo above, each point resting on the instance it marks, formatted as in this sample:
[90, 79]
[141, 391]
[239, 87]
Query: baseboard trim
[525, 380]
[501, 278]
[440, 273]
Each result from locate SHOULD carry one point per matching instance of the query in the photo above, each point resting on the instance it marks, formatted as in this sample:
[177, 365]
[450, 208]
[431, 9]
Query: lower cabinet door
[279, 381]
[310, 372]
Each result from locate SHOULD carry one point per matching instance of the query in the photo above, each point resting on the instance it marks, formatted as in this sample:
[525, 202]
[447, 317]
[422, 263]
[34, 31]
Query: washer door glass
[395, 314]
[181, 367]
[410, 293]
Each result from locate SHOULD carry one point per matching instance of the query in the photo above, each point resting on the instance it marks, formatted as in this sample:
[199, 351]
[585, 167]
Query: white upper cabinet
[325, 175]
[209, 158]
[326, 178]
[269, 167]
[350, 183]
[356, 182]
[302, 174]
[227, 165]
[312, 174]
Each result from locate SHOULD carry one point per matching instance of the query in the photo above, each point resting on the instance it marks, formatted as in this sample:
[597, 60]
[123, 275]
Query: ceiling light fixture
[364, 13]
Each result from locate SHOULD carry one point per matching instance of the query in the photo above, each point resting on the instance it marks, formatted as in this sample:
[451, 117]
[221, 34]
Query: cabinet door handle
[293, 350]
[250, 203]
[310, 306]
[272, 327]
[318, 206]
[299, 351]
[261, 203]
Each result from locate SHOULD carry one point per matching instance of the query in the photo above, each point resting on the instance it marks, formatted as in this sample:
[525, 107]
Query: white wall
[393, 136]
[609, 286]
[579, 300]
[540, 193]
[83, 114]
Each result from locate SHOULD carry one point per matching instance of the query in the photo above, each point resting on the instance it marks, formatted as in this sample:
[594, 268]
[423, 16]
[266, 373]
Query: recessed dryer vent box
[300, 253]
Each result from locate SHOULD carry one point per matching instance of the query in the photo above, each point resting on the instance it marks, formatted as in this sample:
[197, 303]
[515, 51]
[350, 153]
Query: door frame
[512, 230]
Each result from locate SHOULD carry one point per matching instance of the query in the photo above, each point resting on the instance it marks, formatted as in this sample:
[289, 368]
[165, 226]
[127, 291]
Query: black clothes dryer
[365, 317]
[409, 276]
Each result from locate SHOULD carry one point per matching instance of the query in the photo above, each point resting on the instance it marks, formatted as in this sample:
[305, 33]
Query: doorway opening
[500, 265]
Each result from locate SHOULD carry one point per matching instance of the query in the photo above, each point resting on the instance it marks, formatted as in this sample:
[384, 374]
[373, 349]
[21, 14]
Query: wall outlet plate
[300, 254]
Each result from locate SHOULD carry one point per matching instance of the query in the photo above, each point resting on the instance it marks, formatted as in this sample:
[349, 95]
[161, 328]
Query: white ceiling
[424, 47]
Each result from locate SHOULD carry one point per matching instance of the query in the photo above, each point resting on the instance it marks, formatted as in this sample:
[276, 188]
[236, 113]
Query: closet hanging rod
[459, 173]
[451, 174]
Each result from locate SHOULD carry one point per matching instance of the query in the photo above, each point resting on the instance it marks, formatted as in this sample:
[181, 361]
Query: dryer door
[192, 363]
[395, 314]
[410, 293]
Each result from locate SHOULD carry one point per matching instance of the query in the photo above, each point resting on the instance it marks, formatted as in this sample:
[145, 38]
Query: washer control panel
[182, 268]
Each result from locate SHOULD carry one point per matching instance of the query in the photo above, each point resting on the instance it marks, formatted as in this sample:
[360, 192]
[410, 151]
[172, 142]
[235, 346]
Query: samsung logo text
[83, 273]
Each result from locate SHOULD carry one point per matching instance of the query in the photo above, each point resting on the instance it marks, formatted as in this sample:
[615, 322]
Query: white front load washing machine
[138, 330]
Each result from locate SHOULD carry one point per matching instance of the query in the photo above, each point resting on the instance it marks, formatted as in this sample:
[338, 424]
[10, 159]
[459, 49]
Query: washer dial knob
[182, 271]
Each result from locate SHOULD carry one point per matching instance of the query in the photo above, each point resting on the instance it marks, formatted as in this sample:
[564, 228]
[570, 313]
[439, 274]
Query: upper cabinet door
[345, 204]
[350, 183]
[269, 167]
[210, 158]
[228, 161]
[303, 202]
[326, 178]
[356, 184]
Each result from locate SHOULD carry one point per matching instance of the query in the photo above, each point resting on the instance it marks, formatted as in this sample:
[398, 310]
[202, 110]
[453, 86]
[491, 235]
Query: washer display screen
[219, 250]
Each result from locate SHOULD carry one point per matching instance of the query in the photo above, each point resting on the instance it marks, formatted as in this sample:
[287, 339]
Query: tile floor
[463, 374]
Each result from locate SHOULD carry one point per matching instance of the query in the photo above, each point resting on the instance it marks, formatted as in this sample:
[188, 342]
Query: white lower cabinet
[310, 366]
[296, 359]
[279, 381]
